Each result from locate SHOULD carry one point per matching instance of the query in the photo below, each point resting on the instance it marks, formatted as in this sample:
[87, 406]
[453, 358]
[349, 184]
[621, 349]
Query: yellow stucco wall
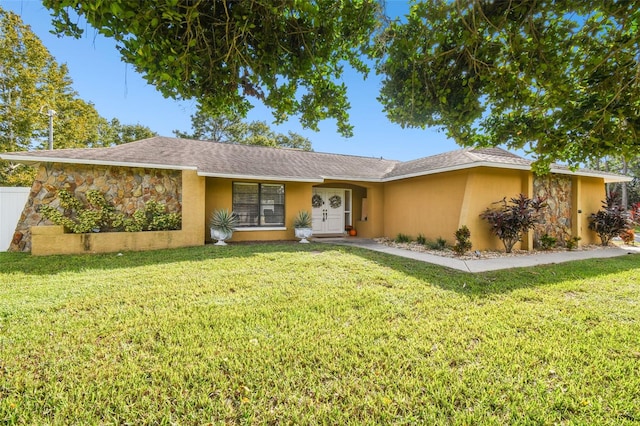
[588, 199]
[219, 196]
[437, 205]
[486, 186]
[434, 205]
[48, 240]
[427, 205]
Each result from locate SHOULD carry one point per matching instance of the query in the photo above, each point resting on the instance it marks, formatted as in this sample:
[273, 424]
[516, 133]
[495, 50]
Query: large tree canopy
[287, 53]
[558, 78]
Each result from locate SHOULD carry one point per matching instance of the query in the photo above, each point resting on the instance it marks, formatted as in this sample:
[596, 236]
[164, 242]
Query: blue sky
[117, 90]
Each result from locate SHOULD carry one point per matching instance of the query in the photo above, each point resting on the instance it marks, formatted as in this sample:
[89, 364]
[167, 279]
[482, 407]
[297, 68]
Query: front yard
[316, 334]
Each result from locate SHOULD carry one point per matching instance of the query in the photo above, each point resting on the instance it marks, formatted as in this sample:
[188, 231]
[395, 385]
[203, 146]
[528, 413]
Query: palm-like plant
[302, 220]
[222, 224]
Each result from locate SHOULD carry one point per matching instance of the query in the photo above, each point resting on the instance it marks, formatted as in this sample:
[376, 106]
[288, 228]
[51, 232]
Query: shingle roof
[246, 161]
[457, 159]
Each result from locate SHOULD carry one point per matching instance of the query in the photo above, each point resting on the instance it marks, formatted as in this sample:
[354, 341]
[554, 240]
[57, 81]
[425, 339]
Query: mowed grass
[315, 334]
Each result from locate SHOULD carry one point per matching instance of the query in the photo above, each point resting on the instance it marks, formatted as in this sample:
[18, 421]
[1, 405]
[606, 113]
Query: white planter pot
[220, 236]
[303, 234]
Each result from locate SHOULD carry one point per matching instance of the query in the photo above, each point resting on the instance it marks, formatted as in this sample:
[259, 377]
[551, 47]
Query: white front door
[327, 213]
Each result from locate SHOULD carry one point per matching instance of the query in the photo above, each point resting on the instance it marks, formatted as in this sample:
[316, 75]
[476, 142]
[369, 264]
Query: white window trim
[260, 228]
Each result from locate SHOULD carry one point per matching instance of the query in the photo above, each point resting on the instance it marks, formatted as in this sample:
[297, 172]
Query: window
[259, 204]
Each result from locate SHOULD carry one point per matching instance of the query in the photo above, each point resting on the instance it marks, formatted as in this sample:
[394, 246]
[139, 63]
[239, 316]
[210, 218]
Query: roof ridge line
[471, 155]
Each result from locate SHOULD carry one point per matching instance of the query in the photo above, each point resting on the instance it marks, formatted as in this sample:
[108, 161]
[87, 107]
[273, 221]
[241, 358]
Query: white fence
[12, 201]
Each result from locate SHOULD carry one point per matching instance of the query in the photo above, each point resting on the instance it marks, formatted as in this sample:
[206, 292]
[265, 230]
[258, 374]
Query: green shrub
[154, 217]
[421, 240]
[441, 243]
[98, 215]
[571, 242]
[463, 242]
[548, 242]
[77, 217]
[402, 238]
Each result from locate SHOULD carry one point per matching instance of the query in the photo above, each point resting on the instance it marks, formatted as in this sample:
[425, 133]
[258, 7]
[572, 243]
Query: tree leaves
[561, 79]
[286, 53]
[31, 84]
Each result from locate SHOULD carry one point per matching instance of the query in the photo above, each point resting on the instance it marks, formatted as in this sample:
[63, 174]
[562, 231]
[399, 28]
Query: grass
[316, 334]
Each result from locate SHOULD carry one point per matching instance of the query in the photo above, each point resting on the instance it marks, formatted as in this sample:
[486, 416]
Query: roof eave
[607, 178]
[32, 160]
[459, 167]
[354, 179]
[261, 177]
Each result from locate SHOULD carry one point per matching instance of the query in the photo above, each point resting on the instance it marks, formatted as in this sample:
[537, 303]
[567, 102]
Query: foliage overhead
[560, 79]
[287, 53]
[231, 129]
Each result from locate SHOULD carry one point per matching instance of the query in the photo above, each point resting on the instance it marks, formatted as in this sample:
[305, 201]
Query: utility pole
[51, 113]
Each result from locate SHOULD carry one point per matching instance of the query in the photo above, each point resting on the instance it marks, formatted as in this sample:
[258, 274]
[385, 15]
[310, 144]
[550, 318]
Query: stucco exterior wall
[428, 205]
[588, 196]
[219, 195]
[486, 186]
[187, 190]
[437, 205]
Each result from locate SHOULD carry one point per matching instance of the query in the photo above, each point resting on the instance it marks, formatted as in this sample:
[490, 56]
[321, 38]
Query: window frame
[261, 222]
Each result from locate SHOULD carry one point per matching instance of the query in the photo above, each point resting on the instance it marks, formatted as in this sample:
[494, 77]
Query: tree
[288, 54]
[113, 133]
[32, 84]
[560, 79]
[217, 128]
[629, 191]
[233, 130]
[24, 68]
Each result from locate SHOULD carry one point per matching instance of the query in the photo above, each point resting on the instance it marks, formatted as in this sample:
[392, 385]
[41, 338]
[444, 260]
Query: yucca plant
[302, 220]
[222, 224]
[302, 226]
[223, 220]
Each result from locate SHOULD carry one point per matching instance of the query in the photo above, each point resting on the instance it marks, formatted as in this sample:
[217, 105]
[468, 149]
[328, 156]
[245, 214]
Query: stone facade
[128, 189]
[557, 217]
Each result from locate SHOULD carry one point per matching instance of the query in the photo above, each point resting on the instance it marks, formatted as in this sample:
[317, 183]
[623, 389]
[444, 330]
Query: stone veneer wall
[557, 218]
[128, 189]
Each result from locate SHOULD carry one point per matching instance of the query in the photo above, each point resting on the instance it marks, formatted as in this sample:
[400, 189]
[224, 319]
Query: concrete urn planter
[303, 234]
[220, 236]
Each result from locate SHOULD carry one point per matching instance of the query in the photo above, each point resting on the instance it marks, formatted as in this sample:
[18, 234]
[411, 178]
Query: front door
[327, 213]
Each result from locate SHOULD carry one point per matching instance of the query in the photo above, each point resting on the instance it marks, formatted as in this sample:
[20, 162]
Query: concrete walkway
[483, 265]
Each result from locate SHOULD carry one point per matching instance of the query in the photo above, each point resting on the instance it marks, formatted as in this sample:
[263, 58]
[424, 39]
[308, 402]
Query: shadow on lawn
[500, 281]
[480, 284]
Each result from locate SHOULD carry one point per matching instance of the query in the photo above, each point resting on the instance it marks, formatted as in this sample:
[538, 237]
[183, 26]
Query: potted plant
[222, 224]
[302, 226]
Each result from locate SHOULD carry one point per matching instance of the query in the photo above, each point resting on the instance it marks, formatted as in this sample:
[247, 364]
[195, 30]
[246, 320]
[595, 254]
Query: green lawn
[315, 334]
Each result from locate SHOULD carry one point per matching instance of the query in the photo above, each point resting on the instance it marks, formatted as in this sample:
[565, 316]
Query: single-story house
[267, 187]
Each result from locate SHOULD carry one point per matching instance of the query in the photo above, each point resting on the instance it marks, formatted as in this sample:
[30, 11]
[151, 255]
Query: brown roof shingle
[247, 161]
